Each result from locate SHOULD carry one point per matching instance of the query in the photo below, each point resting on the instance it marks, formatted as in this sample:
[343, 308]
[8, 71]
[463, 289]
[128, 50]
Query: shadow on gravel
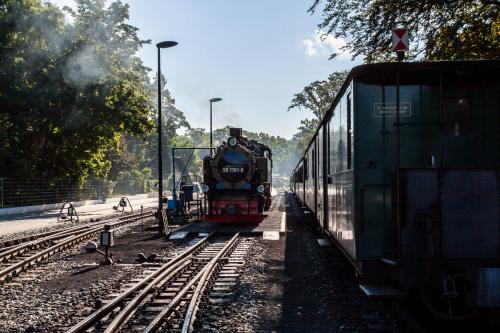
[151, 238]
[320, 292]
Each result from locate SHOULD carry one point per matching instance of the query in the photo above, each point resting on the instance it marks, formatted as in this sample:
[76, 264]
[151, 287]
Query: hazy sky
[253, 54]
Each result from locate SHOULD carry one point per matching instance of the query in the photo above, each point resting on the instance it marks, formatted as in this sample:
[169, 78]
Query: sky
[255, 55]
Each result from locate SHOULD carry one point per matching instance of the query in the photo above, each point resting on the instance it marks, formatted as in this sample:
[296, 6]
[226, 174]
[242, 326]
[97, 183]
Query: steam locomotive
[237, 180]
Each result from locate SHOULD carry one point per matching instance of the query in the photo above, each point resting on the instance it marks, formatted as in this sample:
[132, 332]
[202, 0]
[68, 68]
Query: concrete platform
[25, 222]
[274, 221]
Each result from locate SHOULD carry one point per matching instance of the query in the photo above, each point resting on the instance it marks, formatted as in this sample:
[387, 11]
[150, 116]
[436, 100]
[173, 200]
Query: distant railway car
[404, 174]
[237, 180]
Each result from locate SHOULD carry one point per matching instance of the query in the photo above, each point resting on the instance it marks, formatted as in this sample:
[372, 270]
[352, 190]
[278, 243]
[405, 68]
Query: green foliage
[305, 132]
[439, 30]
[284, 152]
[317, 97]
[137, 157]
[68, 91]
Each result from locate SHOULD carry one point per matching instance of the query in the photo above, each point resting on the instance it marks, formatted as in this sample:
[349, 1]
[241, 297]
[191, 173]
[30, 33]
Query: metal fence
[17, 192]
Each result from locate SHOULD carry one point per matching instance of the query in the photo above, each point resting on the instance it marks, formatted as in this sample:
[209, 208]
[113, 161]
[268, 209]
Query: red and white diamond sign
[400, 40]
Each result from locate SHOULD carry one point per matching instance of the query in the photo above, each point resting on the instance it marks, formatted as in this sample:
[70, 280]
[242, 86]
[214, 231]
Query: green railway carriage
[403, 188]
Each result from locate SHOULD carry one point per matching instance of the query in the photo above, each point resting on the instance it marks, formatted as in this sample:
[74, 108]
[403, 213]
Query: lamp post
[162, 45]
[213, 100]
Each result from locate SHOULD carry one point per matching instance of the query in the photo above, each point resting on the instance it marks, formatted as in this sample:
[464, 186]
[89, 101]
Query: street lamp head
[217, 99]
[167, 44]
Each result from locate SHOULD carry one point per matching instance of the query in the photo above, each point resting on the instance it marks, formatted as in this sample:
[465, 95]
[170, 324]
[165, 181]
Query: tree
[69, 91]
[438, 30]
[137, 156]
[305, 132]
[284, 152]
[317, 97]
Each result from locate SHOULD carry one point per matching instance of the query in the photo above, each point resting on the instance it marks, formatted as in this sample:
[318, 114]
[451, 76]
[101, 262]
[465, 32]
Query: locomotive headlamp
[205, 188]
[260, 188]
[232, 141]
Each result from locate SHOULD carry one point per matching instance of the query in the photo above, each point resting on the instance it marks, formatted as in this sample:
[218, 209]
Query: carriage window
[314, 164]
[327, 148]
[306, 175]
[349, 132]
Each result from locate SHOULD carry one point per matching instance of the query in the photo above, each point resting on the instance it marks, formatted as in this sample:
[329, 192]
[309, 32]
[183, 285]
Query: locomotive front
[237, 180]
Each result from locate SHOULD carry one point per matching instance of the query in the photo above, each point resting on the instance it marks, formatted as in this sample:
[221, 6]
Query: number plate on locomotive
[233, 169]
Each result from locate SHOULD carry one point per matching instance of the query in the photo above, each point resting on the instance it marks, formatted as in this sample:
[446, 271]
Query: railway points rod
[202, 277]
[164, 272]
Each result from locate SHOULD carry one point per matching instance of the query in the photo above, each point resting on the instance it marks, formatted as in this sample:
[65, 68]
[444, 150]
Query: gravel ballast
[57, 293]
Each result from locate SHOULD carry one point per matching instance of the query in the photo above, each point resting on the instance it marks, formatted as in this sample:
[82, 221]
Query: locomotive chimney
[236, 132]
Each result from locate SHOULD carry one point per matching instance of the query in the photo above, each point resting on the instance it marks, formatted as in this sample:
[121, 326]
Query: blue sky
[253, 54]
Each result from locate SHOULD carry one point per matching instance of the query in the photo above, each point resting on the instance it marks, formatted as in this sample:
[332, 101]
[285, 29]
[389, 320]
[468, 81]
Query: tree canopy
[284, 151]
[316, 98]
[438, 30]
[68, 91]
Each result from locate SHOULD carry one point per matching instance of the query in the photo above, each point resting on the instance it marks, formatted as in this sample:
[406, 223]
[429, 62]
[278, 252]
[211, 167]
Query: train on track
[237, 180]
[403, 174]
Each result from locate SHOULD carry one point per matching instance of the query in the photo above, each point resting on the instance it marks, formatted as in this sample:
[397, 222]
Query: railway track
[8, 244]
[18, 258]
[167, 299]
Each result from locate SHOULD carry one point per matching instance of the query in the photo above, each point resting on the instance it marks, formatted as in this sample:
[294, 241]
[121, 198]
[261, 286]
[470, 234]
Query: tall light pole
[162, 45]
[213, 100]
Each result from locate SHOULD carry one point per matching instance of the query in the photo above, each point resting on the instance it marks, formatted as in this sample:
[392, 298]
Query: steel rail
[16, 244]
[64, 244]
[28, 262]
[204, 274]
[126, 313]
[21, 248]
[164, 271]
[8, 244]
[190, 316]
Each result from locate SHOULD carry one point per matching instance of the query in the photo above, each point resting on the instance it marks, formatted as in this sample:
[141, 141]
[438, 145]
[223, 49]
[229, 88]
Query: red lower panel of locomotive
[234, 211]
